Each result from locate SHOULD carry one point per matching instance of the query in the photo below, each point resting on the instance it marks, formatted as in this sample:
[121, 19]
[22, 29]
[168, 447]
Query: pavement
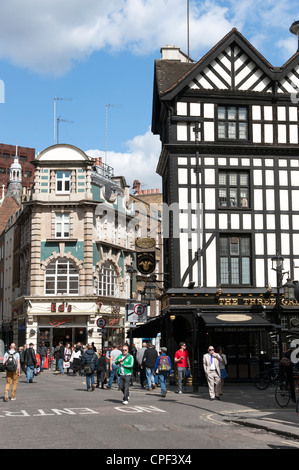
[244, 405]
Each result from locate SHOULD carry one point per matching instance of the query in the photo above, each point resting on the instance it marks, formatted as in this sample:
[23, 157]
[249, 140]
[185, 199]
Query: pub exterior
[230, 169]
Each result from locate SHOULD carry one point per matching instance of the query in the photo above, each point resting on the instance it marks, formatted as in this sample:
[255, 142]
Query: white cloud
[139, 162]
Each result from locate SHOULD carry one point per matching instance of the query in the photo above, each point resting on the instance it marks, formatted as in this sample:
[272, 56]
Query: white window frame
[65, 225]
[63, 274]
[65, 180]
[108, 281]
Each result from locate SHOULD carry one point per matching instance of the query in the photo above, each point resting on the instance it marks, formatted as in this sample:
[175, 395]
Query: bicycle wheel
[262, 380]
[282, 395]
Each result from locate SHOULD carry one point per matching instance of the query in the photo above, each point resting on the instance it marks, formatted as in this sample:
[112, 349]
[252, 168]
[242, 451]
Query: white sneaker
[12, 398]
[125, 402]
[180, 391]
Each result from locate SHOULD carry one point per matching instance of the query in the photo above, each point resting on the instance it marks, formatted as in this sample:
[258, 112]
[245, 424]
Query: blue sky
[101, 52]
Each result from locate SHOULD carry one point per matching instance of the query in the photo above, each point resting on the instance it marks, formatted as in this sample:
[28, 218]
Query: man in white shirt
[113, 367]
[212, 370]
[13, 371]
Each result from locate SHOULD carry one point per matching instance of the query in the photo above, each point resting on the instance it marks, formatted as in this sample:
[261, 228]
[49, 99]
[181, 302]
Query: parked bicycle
[267, 377]
[283, 393]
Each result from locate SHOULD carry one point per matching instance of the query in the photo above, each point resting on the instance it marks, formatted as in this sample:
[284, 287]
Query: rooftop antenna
[55, 122]
[188, 28]
[106, 128]
[294, 29]
[58, 122]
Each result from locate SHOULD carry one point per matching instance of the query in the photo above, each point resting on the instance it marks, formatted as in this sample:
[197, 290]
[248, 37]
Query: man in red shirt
[181, 358]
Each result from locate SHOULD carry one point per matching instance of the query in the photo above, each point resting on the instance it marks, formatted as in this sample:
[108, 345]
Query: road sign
[136, 313]
[101, 322]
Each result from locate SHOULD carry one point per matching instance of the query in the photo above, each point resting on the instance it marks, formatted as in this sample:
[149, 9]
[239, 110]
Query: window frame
[63, 223]
[227, 120]
[63, 180]
[235, 267]
[227, 188]
[57, 277]
[108, 285]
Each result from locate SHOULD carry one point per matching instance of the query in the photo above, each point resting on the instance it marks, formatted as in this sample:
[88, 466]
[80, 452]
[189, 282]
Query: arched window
[62, 277]
[108, 283]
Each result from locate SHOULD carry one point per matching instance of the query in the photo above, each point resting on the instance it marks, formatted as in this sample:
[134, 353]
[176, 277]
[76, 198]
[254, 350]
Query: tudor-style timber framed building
[230, 167]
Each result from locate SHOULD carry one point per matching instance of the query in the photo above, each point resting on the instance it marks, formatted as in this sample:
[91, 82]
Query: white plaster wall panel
[268, 113]
[285, 244]
[222, 72]
[211, 269]
[256, 113]
[209, 161]
[271, 244]
[208, 110]
[246, 221]
[262, 84]
[260, 273]
[246, 70]
[194, 250]
[293, 134]
[283, 163]
[259, 243]
[233, 162]
[209, 131]
[223, 221]
[281, 113]
[295, 222]
[225, 61]
[268, 133]
[193, 177]
[295, 200]
[294, 163]
[251, 80]
[293, 113]
[194, 199]
[257, 177]
[181, 131]
[269, 162]
[195, 109]
[182, 161]
[235, 221]
[270, 200]
[182, 108]
[184, 257]
[269, 178]
[296, 246]
[256, 133]
[258, 200]
[295, 178]
[258, 222]
[183, 218]
[284, 221]
[193, 161]
[270, 218]
[219, 84]
[284, 200]
[194, 136]
[288, 86]
[245, 162]
[282, 133]
[222, 161]
[209, 176]
[283, 178]
[203, 82]
[183, 176]
[183, 198]
[209, 199]
[210, 221]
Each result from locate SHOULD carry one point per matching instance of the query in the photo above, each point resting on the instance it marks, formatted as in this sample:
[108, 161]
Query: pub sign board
[146, 262]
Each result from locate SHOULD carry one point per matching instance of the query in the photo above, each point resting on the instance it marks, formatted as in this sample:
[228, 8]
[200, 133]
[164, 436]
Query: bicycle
[283, 394]
[267, 377]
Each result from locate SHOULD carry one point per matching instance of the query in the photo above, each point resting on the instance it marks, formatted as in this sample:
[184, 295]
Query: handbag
[87, 369]
[66, 365]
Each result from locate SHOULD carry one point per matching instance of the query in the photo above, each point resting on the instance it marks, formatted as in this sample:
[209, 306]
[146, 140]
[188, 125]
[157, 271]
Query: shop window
[63, 181]
[235, 260]
[62, 277]
[108, 282]
[233, 189]
[62, 225]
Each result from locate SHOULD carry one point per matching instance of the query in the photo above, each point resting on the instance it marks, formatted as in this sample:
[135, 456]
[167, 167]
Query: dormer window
[63, 181]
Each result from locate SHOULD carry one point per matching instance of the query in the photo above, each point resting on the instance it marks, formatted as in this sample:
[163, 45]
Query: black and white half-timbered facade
[230, 168]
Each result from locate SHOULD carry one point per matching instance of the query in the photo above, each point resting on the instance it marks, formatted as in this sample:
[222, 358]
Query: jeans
[150, 376]
[30, 373]
[181, 376]
[112, 374]
[89, 380]
[42, 361]
[60, 363]
[162, 381]
[124, 384]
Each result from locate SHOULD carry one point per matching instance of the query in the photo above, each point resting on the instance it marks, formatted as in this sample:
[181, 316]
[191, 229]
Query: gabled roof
[173, 76]
[7, 209]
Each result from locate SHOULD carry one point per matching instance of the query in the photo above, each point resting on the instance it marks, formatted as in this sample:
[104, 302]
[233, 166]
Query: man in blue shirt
[163, 368]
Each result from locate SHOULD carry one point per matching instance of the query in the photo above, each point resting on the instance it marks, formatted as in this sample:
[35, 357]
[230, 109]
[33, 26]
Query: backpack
[11, 363]
[285, 362]
[164, 365]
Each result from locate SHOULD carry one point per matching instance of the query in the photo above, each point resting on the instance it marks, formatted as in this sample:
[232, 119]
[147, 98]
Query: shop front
[68, 329]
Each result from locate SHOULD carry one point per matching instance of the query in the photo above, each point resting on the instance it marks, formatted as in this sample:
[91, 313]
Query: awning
[240, 320]
[148, 330]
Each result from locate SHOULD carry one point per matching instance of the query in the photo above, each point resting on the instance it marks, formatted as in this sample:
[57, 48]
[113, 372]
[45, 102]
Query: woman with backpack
[163, 369]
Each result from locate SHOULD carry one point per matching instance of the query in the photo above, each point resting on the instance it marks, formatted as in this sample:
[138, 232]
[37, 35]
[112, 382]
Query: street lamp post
[277, 265]
[131, 271]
